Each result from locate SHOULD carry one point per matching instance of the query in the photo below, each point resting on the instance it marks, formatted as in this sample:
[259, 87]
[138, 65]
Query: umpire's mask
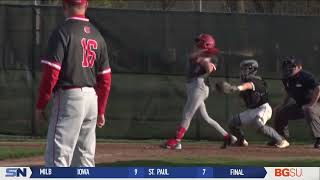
[248, 69]
[288, 66]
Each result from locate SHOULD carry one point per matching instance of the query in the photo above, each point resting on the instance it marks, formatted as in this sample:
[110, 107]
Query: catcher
[200, 66]
[254, 92]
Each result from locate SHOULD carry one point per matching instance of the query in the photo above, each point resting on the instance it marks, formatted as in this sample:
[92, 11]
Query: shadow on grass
[219, 162]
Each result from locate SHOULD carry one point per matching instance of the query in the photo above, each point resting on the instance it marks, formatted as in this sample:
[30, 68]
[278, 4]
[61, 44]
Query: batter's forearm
[196, 54]
[208, 66]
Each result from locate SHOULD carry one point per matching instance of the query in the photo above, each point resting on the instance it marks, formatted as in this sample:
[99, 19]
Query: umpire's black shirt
[300, 87]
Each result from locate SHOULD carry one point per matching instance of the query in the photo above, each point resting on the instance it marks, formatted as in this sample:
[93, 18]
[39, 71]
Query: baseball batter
[76, 69]
[200, 66]
[253, 90]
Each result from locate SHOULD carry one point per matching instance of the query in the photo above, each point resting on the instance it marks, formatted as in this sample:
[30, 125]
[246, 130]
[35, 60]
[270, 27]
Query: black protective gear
[234, 126]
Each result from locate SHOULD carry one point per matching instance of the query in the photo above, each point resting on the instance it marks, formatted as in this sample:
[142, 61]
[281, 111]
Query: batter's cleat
[243, 143]
[173, 144]
[317, 144]
[283, 144]
[228, 140]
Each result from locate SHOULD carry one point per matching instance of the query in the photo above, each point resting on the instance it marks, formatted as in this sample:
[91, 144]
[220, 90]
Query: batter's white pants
[197, 93]
[71, 138]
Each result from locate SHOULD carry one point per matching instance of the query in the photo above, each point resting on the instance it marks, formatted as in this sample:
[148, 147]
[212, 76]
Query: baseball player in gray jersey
[253, 90]
[200, 66]
[76, 68]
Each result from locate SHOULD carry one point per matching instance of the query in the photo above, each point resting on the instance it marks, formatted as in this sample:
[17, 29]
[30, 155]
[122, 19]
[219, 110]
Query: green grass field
[217, 162]
[16, 153]
[20, 152]
[195, 153]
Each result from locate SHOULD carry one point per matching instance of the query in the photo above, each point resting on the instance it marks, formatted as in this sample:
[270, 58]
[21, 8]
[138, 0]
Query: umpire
[301, 87]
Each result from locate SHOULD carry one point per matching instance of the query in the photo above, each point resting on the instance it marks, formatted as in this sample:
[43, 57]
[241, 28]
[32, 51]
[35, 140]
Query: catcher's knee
[258, 122]
[260, 126]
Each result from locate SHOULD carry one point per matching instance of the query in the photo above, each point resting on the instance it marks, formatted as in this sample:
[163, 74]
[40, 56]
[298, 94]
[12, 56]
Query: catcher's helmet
[248, 68]
[288, 65]
[205, 41]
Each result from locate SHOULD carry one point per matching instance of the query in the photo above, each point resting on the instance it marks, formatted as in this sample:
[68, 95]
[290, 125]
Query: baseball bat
[246, 52]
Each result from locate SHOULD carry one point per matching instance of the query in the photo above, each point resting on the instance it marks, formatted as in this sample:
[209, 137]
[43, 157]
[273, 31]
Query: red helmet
[205, 41]
[76, 2]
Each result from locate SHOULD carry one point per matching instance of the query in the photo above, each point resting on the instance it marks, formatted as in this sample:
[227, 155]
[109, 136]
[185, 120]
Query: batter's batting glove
[226, 88]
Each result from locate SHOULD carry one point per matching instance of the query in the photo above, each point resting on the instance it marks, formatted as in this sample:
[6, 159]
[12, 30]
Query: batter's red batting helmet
[205, 41]
[76, 2]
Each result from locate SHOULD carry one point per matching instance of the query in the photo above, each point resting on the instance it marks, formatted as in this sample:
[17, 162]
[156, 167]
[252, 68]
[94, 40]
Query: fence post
[226, 66]
[34, 59]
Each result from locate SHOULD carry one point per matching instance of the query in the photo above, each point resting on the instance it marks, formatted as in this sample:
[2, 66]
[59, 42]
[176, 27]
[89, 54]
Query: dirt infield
[108, 153]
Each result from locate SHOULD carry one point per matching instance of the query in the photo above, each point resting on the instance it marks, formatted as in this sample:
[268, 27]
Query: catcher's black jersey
[79, 51]
[256, 96]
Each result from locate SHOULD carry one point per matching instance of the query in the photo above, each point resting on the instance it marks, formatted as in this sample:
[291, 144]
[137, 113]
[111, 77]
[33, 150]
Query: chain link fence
[148, 51]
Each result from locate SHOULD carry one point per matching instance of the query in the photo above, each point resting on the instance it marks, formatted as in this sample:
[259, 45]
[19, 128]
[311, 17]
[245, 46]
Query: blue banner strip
[239, 172]
[149, 172]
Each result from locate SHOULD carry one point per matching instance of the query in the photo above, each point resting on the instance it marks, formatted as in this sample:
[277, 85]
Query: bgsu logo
[288, 172]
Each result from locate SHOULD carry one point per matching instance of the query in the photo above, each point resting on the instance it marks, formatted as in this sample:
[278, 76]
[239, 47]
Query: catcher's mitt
[226, 88]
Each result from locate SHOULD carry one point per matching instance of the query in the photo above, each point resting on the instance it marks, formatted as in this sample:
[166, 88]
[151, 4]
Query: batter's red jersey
[76, 57]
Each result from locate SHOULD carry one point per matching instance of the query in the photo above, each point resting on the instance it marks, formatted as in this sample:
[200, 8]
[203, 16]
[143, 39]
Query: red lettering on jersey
[89, 56]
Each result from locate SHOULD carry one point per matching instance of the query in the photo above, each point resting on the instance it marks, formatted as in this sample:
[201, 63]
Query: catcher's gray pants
[197, 92]
[293, 112]
[71, 138]
[256, 118]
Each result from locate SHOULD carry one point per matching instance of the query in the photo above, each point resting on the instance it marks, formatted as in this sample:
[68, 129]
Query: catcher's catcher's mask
[248, 68]
[288, 66]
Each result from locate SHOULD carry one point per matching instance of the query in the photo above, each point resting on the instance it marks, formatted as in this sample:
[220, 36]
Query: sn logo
[16, 172]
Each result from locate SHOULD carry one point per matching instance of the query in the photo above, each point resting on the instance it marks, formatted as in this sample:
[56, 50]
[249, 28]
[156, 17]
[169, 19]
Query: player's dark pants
[292, 111]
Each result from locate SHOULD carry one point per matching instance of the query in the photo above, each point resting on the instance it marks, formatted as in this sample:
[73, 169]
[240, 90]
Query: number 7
[204, 171]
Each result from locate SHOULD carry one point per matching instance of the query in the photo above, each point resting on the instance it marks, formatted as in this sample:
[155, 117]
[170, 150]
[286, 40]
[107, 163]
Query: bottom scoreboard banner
[270, 173]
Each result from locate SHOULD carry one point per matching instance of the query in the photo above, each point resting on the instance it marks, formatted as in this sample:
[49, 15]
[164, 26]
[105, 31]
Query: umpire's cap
[291, 61]
[75, 2]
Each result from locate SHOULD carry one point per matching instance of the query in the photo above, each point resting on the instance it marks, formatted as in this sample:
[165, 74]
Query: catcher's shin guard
[234, 126]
